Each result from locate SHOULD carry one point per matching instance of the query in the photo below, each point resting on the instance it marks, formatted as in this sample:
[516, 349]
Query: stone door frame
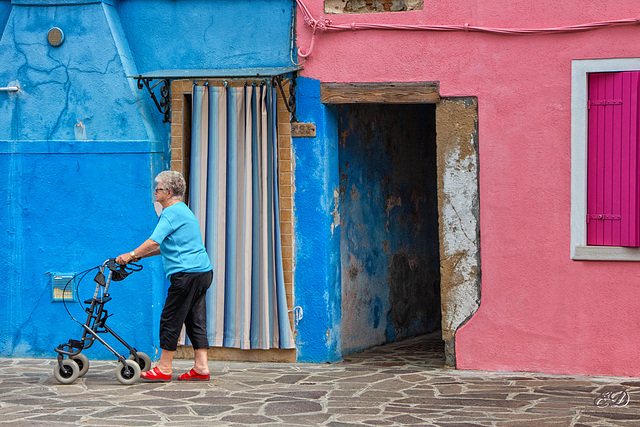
[458, 189]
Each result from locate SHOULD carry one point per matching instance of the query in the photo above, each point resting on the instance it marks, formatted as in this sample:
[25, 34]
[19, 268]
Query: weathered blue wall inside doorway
[389, 248]
[80, 145]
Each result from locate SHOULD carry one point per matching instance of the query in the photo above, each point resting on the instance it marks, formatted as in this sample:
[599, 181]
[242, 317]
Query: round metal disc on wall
[55, 37]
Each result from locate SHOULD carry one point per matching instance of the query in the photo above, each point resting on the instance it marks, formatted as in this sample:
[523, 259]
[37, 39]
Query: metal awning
[164, 77]
[218, 73]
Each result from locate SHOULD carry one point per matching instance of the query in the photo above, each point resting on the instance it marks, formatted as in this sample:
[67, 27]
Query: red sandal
[193, 375]
[155, 374]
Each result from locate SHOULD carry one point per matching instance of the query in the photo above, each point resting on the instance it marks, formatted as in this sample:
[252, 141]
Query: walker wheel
[128, 374]
[83, 363]
[144, 361]
[68, 373]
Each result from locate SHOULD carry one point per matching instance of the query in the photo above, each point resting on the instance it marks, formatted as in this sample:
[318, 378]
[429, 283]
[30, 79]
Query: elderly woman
[186, 264]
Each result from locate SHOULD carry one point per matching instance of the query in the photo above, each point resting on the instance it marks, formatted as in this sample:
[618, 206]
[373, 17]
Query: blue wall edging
[317, 230]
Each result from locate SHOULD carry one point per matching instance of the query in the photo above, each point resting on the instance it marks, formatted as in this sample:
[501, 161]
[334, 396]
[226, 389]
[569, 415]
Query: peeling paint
[336, 210]
[392, 202]
[459, 213]
[355, 195]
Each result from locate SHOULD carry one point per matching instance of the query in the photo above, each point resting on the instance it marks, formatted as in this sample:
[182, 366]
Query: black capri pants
[186, 304]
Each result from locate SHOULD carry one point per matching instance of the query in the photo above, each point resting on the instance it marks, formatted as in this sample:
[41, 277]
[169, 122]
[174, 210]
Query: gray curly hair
[174, 181]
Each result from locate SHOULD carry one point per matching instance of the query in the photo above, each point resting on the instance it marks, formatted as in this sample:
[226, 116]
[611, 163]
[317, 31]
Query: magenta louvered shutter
[613, 173]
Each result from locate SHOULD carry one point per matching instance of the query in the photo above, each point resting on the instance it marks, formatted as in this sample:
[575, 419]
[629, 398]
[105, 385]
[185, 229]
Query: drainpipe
[9, 89]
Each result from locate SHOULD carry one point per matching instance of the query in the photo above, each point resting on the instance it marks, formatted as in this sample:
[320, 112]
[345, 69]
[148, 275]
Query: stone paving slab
[386, 386]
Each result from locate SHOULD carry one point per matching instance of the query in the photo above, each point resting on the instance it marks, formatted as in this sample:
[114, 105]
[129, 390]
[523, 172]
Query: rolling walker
[72, 364]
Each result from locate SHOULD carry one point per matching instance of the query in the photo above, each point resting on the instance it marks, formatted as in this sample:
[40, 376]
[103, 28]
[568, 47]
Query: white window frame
[580, 68]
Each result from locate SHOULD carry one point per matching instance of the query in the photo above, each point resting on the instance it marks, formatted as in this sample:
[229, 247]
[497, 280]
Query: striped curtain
[233, 191]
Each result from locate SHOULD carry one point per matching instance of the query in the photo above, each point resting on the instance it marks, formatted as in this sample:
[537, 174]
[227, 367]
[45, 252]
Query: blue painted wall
[5, 9]
[317, 230]
[166, 34]
[78, 157]
[80, 145]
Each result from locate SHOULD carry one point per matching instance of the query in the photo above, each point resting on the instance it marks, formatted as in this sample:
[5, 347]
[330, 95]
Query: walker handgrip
[133, 267]
[120, 272]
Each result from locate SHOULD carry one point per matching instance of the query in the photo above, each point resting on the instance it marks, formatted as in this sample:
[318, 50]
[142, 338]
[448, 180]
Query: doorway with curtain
[230, 143]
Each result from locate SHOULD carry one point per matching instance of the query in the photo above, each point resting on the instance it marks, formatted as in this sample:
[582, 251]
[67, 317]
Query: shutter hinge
[602, 217]
[604, 102]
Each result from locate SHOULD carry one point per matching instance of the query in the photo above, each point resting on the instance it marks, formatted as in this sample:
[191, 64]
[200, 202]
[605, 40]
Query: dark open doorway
[389, 249]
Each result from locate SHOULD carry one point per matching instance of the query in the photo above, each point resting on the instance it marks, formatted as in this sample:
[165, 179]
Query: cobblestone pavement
[400, 384]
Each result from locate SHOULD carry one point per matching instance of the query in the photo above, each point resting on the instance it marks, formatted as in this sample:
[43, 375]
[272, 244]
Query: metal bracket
[290, 102]
[604, 102]
[164, 105]
[603, 217]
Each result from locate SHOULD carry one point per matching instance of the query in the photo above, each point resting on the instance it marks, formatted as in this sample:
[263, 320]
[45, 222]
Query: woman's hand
[124, 259]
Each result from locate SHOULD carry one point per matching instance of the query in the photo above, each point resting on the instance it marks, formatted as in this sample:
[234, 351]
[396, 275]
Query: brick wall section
[181, 91]
[371, 6]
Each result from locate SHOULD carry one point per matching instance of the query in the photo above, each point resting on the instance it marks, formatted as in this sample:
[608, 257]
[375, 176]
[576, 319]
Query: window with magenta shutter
[613, 216]
[605, 159]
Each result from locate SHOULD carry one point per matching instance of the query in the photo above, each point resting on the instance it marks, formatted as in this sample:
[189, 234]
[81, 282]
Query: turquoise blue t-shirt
[178, 234]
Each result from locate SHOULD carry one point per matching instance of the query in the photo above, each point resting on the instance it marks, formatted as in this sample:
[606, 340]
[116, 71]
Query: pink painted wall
[540, 311]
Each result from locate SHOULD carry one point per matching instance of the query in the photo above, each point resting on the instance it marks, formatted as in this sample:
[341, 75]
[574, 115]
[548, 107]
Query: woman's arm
[147, 249]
